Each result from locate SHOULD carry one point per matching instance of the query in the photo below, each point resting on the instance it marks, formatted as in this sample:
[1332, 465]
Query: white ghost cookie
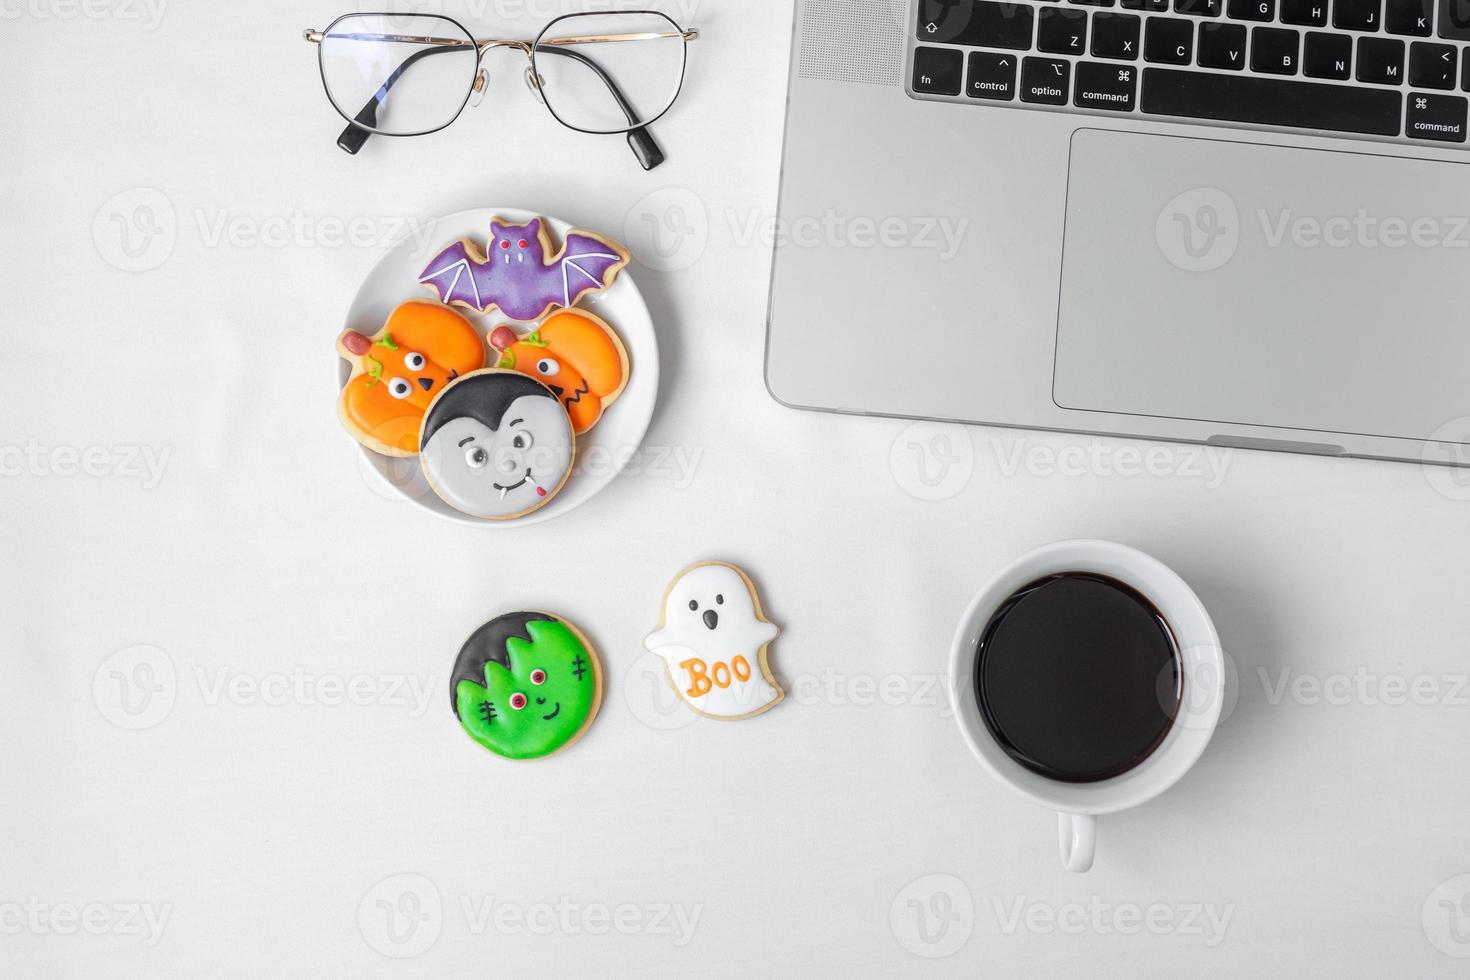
[713, 638]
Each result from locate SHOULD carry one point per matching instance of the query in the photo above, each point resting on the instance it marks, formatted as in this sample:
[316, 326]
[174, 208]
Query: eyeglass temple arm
[354, 136]
[640, 140]
[645, 148]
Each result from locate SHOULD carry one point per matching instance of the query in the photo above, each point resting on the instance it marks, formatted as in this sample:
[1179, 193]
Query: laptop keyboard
[1377, 68]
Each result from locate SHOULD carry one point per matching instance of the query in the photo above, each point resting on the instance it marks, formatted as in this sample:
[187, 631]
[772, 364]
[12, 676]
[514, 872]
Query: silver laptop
[1239, 222]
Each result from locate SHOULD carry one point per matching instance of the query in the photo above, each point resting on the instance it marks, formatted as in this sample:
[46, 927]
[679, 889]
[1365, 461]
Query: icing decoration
[399, 370]
[519, 273]
[526, 685]
[713, 638]
[496, 444]
[576, 355]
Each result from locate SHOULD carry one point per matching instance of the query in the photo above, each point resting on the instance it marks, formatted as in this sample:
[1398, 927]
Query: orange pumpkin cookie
[397, 372]
[575, 354]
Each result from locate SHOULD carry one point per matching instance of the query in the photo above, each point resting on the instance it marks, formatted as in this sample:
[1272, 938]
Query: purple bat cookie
[515, 275]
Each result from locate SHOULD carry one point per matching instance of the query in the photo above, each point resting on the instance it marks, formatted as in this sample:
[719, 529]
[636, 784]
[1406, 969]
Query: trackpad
[1263, 285]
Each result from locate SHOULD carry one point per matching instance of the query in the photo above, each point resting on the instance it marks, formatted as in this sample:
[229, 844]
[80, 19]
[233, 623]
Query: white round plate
[602, 451]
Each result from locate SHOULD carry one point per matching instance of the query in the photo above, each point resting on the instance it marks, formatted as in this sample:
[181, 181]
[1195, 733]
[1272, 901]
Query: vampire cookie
[496, 444]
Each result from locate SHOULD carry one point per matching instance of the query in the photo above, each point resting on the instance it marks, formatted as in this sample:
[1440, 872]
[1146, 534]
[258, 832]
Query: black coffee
[1078, 677]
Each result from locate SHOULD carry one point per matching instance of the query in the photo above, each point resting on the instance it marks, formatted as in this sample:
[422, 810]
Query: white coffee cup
[1202, 689]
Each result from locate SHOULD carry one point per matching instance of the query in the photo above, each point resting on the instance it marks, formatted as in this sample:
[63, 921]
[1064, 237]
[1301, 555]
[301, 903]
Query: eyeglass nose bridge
[524, 47]
[482, 78]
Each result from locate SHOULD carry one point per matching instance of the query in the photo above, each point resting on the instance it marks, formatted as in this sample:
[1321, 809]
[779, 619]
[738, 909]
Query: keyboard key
[1060, 30]
[1454, 19]
[1327, 55]
[1355, 15]
[1116, 36]
[1102, 86]
[1168, 41]
[1408, 16]
[1465, 71]
[1437, 117]
[1304, 13]
[938, 71]
[1270, 101]
[1157, 6]
[1200, 8]
[979, 23]
[1251, 9]
[1044, 80]
[992, 76]
[1380, 61]
[1222, 46]
[1093, 3]
[1432, 65]
[1274, 50]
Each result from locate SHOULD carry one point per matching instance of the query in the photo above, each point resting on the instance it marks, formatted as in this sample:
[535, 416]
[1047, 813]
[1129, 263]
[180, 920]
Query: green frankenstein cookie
[525, 685]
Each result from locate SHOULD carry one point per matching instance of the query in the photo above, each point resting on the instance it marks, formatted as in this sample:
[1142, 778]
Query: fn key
[938, 71]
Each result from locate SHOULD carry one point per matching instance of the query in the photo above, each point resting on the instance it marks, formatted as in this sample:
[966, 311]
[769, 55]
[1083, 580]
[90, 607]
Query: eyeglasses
[595, 72]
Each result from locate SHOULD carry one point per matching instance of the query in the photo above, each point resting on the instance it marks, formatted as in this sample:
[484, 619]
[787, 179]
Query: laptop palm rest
[1263, 285]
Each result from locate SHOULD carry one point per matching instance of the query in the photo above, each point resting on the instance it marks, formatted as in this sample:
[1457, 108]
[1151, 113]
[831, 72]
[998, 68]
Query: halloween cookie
[525, 685]
[399, 370]
[520, 273]
[496, 444]
[576, 355]
[713, 638]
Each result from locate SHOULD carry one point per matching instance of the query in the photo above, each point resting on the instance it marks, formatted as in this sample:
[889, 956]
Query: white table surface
[175, 479]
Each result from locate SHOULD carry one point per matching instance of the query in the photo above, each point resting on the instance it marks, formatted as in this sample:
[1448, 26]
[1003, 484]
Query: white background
[278, 833]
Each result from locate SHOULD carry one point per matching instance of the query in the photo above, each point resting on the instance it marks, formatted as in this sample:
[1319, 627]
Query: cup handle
[1078, 833]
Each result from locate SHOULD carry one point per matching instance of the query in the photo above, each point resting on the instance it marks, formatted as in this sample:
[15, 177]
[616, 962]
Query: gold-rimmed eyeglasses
[413, 74]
